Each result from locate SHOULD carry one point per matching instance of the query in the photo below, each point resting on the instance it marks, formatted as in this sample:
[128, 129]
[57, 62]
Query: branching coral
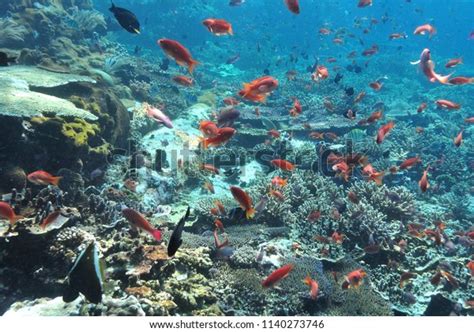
[89, 20]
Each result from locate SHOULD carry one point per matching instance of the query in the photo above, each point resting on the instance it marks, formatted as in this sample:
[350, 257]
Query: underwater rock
[45, 307]
[11, 177]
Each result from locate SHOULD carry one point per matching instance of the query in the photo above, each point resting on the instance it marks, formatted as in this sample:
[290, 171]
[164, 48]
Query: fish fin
[379, 178]
[415, 62]
[136, 31]
[69, 294]
[443, 79]
[156, 234]
[231, 32]
[204, 142]
[55, 180]
[250, 213]
[307, 280]
[193, 64]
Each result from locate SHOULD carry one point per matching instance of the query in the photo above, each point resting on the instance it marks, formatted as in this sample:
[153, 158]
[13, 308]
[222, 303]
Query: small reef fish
[179, 53]
[383, 132]
[410, 162]
[375, 116]
[321, 73]
[458, 139]
[337, 237]
[354, 279]
[274, 133]
[364, 3]
[423, 183]
[130, 184]
[220, 207]
[43, 178]
[53, 218]
[233, 59]
[235, 3]
[293, 6]
[223, 135]
[277, 194]
[175, 239]
[259, 89]
[6, 212]
[405, 277]
[230, 101]
[6, 60]
[157, 115]
[244, 200]
[425, 28]
[227, 117]
[208, 128]
[86, 276]
[324, 31]
[209, 187]
[453, 63]
[394, 36]
[447, 104]
[469, 120]
[373, 175]
[470, 267]
[444, 275]
[218, 27]
[279, 182]
[313, 287]
[126, 19]
[277, 275]
[210, 168]
[421, 108]
[219, 225]
[376, 86]
[297, 109]
[184, 80]
[370, 51]
[461, 80]
[137, 220]
[283, 164]
[427, 67]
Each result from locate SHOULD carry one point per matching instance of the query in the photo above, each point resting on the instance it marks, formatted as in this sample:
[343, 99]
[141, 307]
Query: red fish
[383, 131]
[220, 207]
[324, 31]
[343, 169]
[410, 162]
[183, 80]
[422, 107]
[244, 200]
[277, 275]
[223, 135]
[136, 219]
[278, 181]
[375, 116]
[208, 128]
[354, 279]
[453, 63]
[6, 212]
[219, 225]
[209, 187]
[458, 139]
[274, 133]
[372, 174]
[218, 27]
[297, 109]
[313, 287]
[283, 164]
[427, 67]
[469, 120]
[370, 51]
[209, 168]
[337, 237]
[423, 183]
[376, 85]
[43, 178]
[293, 6]
[320, 74]
[461, 80]
[277, 194]
[470, 266]
[423, 29]
[52, 218]
[179, 53]
[447, 104]
[364, 3]
[259, 89]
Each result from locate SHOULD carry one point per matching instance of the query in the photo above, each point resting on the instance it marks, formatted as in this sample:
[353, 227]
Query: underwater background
[236, 157]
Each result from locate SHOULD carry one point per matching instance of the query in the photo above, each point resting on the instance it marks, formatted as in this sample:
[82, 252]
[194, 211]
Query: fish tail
[55, 180]
[192, 64]
[443, 79]
[307, 280]
[231, 31]
[378, 178]
[156, 234]
[204, 142]
[250, 213]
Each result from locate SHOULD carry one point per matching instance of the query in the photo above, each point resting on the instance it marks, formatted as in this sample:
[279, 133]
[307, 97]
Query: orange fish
[410, 162]
[209, 168]
[283, 164]
[370, 51]
[277, 194]
[218, 27]
[470, 266]
[293, 6]
[130, 184]
[324, 31]
[469, 120]
[364, 3]
[320, 74]
[277, 275]
[453, 63]
[354, 279]
[343, 169]
[259, 89]
[219, 225]
[422, 107]
[6, 212]
[244, 200]
[223, 135]
[458, 139]
[316, 135]
[461, 80]
[427, 67]
[376, 86]
[208, 128]
[338, 41]
[375, 116]
[179, 53]
[372, 174]
[183, 80]
[43, 178]
[220, 207]
[423, 29]
[383, 131]
[297, 109]
[313, 287]
[52, 218]
[274, 133]
[278, 181]
[423, 183]
[447, 104]
[209, 187]
[337, 237]
[138, 220]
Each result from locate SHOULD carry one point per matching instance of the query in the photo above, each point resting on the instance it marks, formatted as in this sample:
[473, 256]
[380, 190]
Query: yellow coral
[79, 131]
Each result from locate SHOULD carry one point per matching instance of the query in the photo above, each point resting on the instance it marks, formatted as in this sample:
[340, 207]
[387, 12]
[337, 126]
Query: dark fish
[235, 3]
[266, 71]
[137, 50]
[126, 19]
[165, 64]
[349, 91]
[236, 214]
[175, 239]
[338, 78]
[357, 69]
[227, 117]
[233, 59]
[5, 60]
[86, 276]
